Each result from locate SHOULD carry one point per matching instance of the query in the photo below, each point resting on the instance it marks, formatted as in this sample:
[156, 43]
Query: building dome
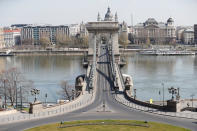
[108, 15]
[170, 20]
[151, 21]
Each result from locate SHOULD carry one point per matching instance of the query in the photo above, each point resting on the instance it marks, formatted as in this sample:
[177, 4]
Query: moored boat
[167, 52]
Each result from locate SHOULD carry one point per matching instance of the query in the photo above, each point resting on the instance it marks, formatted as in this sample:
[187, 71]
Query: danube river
[148, 73]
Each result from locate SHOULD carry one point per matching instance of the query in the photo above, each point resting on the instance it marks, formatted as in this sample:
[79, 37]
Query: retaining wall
[143, 103]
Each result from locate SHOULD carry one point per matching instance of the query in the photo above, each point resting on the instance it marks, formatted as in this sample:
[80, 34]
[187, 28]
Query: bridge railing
[121, 77]
[93, 68]
[112, 63]
[116, 73]
[120, 99]
[49, 112]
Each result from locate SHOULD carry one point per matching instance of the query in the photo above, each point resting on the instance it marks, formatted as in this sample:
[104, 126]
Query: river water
[148, 73]
[46, 72]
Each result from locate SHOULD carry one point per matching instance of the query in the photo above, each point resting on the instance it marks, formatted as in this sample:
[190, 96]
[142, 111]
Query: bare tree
[63, 40]
[44, 41]
[67, 91]
[13, 85]
[83, 41]
[123, 39]
[27, 41]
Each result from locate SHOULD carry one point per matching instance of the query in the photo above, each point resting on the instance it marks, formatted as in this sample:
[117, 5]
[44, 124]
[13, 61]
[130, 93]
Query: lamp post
[5, 95]
[159, 97]
[35, 92]
[135, 93]
[192, 95]
[172, 91]
[163, 92]
[21, 98]
[178, 94]
[16, 93]
[45, 98]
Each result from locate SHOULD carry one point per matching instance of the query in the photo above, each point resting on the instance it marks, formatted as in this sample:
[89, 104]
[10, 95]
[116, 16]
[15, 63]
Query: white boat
[167, 52]
[7, 53]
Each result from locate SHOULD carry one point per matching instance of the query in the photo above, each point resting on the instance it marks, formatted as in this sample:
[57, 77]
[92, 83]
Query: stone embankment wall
[126, 93]
[7, 112]
[69, 52]
[44, 52]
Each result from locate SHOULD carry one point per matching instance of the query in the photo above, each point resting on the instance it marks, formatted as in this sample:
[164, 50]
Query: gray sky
[74, 11]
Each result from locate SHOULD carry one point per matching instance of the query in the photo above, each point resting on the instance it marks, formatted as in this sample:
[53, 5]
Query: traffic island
[108, 125]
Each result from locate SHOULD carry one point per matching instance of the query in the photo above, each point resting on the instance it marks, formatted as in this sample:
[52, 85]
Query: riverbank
[67, 52]
[129, 50]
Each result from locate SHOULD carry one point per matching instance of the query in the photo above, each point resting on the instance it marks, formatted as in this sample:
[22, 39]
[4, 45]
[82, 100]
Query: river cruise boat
[6, 53]
[166, 52]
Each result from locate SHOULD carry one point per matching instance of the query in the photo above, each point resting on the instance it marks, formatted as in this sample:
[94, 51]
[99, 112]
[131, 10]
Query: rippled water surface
[148, 73]
[47, 72]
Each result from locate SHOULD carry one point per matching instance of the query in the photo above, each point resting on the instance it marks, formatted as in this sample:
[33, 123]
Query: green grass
[26, 109]
[108, 125]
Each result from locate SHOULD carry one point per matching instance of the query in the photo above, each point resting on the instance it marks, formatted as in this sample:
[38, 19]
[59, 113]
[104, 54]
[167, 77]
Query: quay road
[103, 107]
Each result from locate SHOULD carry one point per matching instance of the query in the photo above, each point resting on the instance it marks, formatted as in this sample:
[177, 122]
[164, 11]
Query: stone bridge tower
[104, 32]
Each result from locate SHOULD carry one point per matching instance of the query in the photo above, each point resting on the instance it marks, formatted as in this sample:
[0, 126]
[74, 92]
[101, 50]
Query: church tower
[116, 17]
[108, 15]
[98, 17]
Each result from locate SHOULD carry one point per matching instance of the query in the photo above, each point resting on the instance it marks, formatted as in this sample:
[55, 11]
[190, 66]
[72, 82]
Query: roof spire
[116, 17]
[99, 17]
[108, 15]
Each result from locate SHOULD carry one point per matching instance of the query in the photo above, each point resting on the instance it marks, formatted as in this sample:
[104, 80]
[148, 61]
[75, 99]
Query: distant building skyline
[63, 12]
[195, 33]
[37, 34]
[154, 32]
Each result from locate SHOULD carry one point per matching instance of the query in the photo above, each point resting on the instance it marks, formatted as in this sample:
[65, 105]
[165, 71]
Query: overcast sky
[58, 12]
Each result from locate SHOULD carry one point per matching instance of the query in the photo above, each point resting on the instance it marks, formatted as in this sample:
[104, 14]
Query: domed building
[151, 21]
[155, 32]
[108, 16]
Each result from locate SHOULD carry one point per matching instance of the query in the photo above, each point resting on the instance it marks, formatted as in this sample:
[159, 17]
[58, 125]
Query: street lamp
[16, 93]
[163, 92]
[135, 93]
[192, 95]
[5, 93]
[178, 94]
[35, 92]
[172, 91]
[46, 98]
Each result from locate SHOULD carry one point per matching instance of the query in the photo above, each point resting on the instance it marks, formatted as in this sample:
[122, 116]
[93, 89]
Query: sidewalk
[8, 112]
[186, 114]
[82, 101]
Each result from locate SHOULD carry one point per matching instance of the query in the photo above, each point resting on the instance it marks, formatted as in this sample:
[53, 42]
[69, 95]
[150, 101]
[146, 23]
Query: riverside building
[34, 33]
[12, 37]
[155, 32]
[188, 36]
[1, 38]
[74, 29]
[195, 33]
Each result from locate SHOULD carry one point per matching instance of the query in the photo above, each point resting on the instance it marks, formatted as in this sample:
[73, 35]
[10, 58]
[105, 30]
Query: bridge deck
[104, 79]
